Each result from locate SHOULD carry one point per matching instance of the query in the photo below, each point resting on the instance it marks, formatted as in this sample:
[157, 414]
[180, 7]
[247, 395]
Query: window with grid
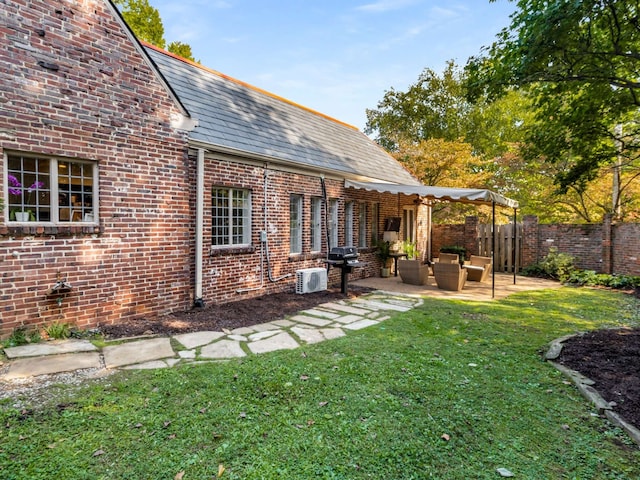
[333, 222]
[375, 221]
[348, 223]
[230, 217]
[50, 190]
[295, 224]
[316, 224]
[362, 225]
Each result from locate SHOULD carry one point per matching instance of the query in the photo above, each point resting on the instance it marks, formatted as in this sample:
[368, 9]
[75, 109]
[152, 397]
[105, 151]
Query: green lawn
[451, 390]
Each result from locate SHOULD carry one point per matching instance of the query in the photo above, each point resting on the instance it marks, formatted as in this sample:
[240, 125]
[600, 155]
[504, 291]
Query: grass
[450, 390]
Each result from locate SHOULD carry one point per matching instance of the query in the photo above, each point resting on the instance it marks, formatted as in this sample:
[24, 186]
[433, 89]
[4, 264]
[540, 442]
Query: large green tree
[580, 63]
[146, 23]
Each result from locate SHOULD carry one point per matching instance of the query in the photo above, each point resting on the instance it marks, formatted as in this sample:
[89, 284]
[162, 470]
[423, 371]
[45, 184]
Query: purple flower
[36, 186]
[13, 182]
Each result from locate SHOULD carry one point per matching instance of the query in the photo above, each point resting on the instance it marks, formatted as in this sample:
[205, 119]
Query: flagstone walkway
[325, 322]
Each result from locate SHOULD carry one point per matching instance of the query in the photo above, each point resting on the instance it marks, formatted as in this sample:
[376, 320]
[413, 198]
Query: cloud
[382, 6]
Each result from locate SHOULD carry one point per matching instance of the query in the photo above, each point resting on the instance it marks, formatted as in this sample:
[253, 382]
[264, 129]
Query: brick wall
[605, 248]
[74, 86]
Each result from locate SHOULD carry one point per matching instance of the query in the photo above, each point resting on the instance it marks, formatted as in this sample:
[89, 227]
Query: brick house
[149, 183]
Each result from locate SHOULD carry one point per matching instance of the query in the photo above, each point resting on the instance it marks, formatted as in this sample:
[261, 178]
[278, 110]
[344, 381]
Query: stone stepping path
[324, 322]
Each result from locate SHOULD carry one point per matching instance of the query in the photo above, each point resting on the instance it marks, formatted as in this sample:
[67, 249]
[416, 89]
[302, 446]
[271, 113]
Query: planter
[385, 272]
[22, 216]
[413, 272]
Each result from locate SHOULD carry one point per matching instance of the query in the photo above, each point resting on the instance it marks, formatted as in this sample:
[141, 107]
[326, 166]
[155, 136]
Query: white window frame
[316, 224]
[362, 225]
[348, 223]
[333, 222]
[84, 210]
[295, 224]
[232, 216]
[409, 224]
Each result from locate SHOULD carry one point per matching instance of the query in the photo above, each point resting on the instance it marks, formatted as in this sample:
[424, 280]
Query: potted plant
[411, 269]
[383, 252]
[23, 214]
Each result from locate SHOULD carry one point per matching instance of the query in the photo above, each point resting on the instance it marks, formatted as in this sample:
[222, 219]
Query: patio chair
[449, 276]
[447, 258]
[478, 268]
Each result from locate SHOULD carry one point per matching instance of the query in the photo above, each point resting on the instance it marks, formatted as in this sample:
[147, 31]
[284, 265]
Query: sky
[337, 57]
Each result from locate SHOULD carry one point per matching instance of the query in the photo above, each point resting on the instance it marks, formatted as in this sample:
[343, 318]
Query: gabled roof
[237, 117]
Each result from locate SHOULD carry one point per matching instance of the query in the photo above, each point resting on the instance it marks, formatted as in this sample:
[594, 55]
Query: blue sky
[335, 56]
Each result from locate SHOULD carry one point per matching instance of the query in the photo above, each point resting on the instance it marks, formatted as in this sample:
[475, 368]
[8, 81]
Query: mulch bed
[231, 315]
[611, 358]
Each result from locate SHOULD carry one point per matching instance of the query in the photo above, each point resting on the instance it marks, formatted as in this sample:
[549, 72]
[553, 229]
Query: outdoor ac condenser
[311, 280]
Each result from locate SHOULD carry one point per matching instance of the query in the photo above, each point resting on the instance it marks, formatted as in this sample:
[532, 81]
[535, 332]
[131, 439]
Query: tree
[144, 20]
[181, 49]
[147, 25]
[579, 63]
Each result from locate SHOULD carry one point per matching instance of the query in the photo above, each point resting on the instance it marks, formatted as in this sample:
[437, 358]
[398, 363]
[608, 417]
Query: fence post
[529, 240]
[607, 244]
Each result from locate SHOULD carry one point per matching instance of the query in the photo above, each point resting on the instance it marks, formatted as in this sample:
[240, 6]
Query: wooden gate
[508, 250]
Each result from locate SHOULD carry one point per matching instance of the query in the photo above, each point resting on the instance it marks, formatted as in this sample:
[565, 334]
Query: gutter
[198, 301]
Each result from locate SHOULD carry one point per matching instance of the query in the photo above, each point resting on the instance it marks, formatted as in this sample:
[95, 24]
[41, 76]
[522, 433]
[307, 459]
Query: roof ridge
[245, 84]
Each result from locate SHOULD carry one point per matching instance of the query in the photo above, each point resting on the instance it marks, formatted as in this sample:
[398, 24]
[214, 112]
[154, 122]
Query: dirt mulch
[611, 358]
[243, 313]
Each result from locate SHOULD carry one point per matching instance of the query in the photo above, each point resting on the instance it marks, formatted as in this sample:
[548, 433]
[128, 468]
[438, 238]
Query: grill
[346, 255]
[346, 259]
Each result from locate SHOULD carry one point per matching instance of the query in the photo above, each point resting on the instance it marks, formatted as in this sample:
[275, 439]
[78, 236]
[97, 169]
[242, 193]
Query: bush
[557, 266]
[591, 278]
[461, 251]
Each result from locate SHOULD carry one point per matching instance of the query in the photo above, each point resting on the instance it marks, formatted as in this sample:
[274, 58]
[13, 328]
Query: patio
[472, 290]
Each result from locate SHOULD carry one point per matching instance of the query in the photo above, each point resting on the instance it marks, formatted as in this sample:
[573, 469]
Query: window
[51, 190]
[375, 221]
[316, 224]
[348, 223]
[362, 225]
[295, 224]
[230, 217]
[333, 222]
[408, 224]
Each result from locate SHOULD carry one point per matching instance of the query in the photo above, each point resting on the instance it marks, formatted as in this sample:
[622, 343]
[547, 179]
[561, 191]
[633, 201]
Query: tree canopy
[146, 23]
[580, 63]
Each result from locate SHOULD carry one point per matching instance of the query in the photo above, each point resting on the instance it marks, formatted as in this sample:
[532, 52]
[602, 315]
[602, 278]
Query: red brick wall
[74, 86]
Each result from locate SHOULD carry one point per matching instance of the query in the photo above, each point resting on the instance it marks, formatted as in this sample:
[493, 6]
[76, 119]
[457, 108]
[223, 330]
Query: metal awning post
[515, 244]
[493, 249]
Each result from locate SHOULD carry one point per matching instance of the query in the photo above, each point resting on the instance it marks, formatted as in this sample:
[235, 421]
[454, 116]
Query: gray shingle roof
[237, 116]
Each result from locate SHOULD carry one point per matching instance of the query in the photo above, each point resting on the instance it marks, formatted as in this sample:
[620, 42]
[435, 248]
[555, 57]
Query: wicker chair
[448, 258]
[449, 276]
[481, 266]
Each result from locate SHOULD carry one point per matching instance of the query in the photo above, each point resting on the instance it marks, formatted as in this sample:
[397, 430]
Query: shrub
[557, 266]
[58, 330]
[461, 251]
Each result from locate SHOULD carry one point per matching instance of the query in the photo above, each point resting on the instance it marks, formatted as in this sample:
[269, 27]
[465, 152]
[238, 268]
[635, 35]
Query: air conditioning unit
[311, 280]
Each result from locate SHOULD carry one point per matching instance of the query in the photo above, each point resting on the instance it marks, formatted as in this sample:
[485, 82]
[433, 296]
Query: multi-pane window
[333, 222]
[408, 224]
[51, 190]
[362, 225]
[348, 223]
[375, 220]
[230, 217]
[295, 224]
[316, 224]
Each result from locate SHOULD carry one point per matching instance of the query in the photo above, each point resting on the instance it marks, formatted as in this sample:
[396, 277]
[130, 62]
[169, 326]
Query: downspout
[326, 217]
[198, 301]
[515, 244]
[493, 248]
[264, 235]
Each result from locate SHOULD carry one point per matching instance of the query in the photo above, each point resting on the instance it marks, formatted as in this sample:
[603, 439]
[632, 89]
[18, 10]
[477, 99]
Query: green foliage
[591, 278]
[574, 59]
[373, 404]
[383, 251]
[556, 265]
[144, 20]
[461, 251]
[58, 330]
[18, 337]
[410, 249]
[182, 50]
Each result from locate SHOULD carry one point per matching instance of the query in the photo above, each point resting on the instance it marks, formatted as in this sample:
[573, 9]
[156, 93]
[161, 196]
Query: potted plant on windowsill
[383, 252]
[24, 214]
[411, 269]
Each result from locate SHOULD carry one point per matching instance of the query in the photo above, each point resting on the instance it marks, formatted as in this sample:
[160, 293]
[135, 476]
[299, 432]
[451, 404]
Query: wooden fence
[508, 248]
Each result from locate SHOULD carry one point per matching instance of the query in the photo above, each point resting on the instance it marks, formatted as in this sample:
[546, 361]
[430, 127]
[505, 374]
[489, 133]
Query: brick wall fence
[606, 248]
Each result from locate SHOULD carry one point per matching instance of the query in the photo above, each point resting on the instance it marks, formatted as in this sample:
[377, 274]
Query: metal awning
[476, 196]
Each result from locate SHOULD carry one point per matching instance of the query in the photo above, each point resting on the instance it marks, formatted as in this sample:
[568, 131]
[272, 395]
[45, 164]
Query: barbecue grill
[346, 259]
